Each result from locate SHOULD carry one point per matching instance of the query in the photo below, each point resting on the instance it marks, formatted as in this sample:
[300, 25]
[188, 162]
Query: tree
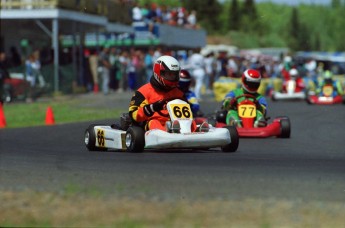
[336, 4]
[208, 12]
[293, 30]
[249, 17]
[234, 16]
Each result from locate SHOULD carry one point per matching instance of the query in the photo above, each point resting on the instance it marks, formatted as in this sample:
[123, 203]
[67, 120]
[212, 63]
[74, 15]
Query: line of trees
[247, 24]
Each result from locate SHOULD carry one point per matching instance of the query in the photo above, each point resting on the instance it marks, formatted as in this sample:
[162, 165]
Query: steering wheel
[247, 96]
[166, 101]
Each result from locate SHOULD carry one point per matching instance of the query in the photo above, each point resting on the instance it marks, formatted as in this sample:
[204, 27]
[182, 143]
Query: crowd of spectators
[115, 70]
[128, 69]
[163, 14]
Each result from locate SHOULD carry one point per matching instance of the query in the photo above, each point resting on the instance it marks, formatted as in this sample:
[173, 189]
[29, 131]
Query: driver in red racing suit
[148, 104]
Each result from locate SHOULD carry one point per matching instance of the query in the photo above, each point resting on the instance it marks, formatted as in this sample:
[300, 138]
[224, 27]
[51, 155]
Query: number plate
[327, 90]
[181, 111]
[247, 111]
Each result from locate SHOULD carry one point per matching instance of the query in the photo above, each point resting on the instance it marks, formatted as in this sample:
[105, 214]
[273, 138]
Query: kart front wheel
[285, 128]
[232, 147]
[90, 139]
[135, 139]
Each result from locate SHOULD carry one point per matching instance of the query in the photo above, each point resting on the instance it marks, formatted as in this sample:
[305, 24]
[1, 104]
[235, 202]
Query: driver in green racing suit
[250, 83]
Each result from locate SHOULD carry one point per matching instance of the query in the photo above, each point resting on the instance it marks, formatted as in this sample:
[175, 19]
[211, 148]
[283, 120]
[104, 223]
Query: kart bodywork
[133, 138]
[327, 97]
[279, 127]
[289, 93]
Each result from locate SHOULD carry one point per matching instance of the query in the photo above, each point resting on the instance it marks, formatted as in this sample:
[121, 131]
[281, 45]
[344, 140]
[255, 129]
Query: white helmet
[166, 71]
[293, 73]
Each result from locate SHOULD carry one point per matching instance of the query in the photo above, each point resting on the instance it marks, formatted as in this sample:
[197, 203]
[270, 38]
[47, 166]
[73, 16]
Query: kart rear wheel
[135, 139]
[273, 98]
[285, 128]
[90, 138]
[232, 147]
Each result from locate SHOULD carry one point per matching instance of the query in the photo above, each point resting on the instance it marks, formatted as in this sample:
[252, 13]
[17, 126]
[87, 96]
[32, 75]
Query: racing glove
[229, 103]
[150, 109]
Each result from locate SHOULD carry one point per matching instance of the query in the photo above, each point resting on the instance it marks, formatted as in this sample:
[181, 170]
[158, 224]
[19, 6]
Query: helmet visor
[172, 76]
[253, 86]
[328, 81]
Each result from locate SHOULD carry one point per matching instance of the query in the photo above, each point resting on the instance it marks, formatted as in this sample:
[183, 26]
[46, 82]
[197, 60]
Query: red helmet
[185, 80]
[166, 71]
[251, 80]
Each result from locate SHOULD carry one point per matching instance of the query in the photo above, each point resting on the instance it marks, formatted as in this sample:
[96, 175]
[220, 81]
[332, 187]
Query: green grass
[64, 111]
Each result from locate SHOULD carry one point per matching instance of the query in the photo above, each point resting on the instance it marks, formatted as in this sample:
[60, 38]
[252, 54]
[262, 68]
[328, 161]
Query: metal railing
[115, 11]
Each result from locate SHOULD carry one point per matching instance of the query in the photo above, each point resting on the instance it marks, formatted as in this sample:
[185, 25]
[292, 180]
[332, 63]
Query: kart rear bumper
[288, 96]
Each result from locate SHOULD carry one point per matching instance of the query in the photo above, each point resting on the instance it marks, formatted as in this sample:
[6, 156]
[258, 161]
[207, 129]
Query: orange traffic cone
[2, 117]
[50, 116]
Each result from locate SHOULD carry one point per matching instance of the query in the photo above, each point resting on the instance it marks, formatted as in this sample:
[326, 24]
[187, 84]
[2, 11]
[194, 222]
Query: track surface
[310, 166]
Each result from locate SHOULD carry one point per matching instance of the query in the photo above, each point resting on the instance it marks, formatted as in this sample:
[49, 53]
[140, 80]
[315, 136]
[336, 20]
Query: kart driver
[251, 80]
[328, 80]
[148, 103]
[294, 75]
[190, 96]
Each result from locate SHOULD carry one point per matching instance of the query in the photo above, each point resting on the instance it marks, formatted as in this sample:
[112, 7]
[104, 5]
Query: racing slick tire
[232, 147]
[135, 139]
[273, 97]
[90, 138]
[285, 127]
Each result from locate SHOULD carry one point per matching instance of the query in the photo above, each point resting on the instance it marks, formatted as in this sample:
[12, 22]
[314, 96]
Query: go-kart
[290, 92]
[327, 96]
[131, 137]
[280, 126]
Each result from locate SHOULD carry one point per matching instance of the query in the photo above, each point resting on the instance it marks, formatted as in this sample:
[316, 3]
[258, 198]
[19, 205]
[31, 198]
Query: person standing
[104, 64]
[124, 63]
[93, 62]
[196, 63]
[3, 74]
[149, 64]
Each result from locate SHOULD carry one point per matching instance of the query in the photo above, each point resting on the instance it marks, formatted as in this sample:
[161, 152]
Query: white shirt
[196, 61]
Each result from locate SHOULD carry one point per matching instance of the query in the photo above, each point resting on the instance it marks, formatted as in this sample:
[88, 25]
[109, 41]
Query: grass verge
[37, 209]
[64, 111]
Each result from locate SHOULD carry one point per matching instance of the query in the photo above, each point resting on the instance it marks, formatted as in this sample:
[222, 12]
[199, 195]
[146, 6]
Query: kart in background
[279, 127]
[15, 88]
[327, 97]
[290, 91]
[131, 137]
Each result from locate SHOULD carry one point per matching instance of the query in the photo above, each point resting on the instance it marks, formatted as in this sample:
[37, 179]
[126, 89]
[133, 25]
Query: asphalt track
[309, 166]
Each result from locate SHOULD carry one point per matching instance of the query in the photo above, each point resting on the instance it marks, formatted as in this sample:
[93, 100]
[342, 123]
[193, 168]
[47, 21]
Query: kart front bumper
[158, 139]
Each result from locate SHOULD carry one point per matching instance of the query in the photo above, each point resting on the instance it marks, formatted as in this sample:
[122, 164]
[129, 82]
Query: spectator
[105, 66]
[196, 64]
[93, 62]
[191, 20]
[3, 74]
[115, 73]
[15, 58]
[211, 70]
[149, 64]
[232, 67]
[136, 13]
[131, 69]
